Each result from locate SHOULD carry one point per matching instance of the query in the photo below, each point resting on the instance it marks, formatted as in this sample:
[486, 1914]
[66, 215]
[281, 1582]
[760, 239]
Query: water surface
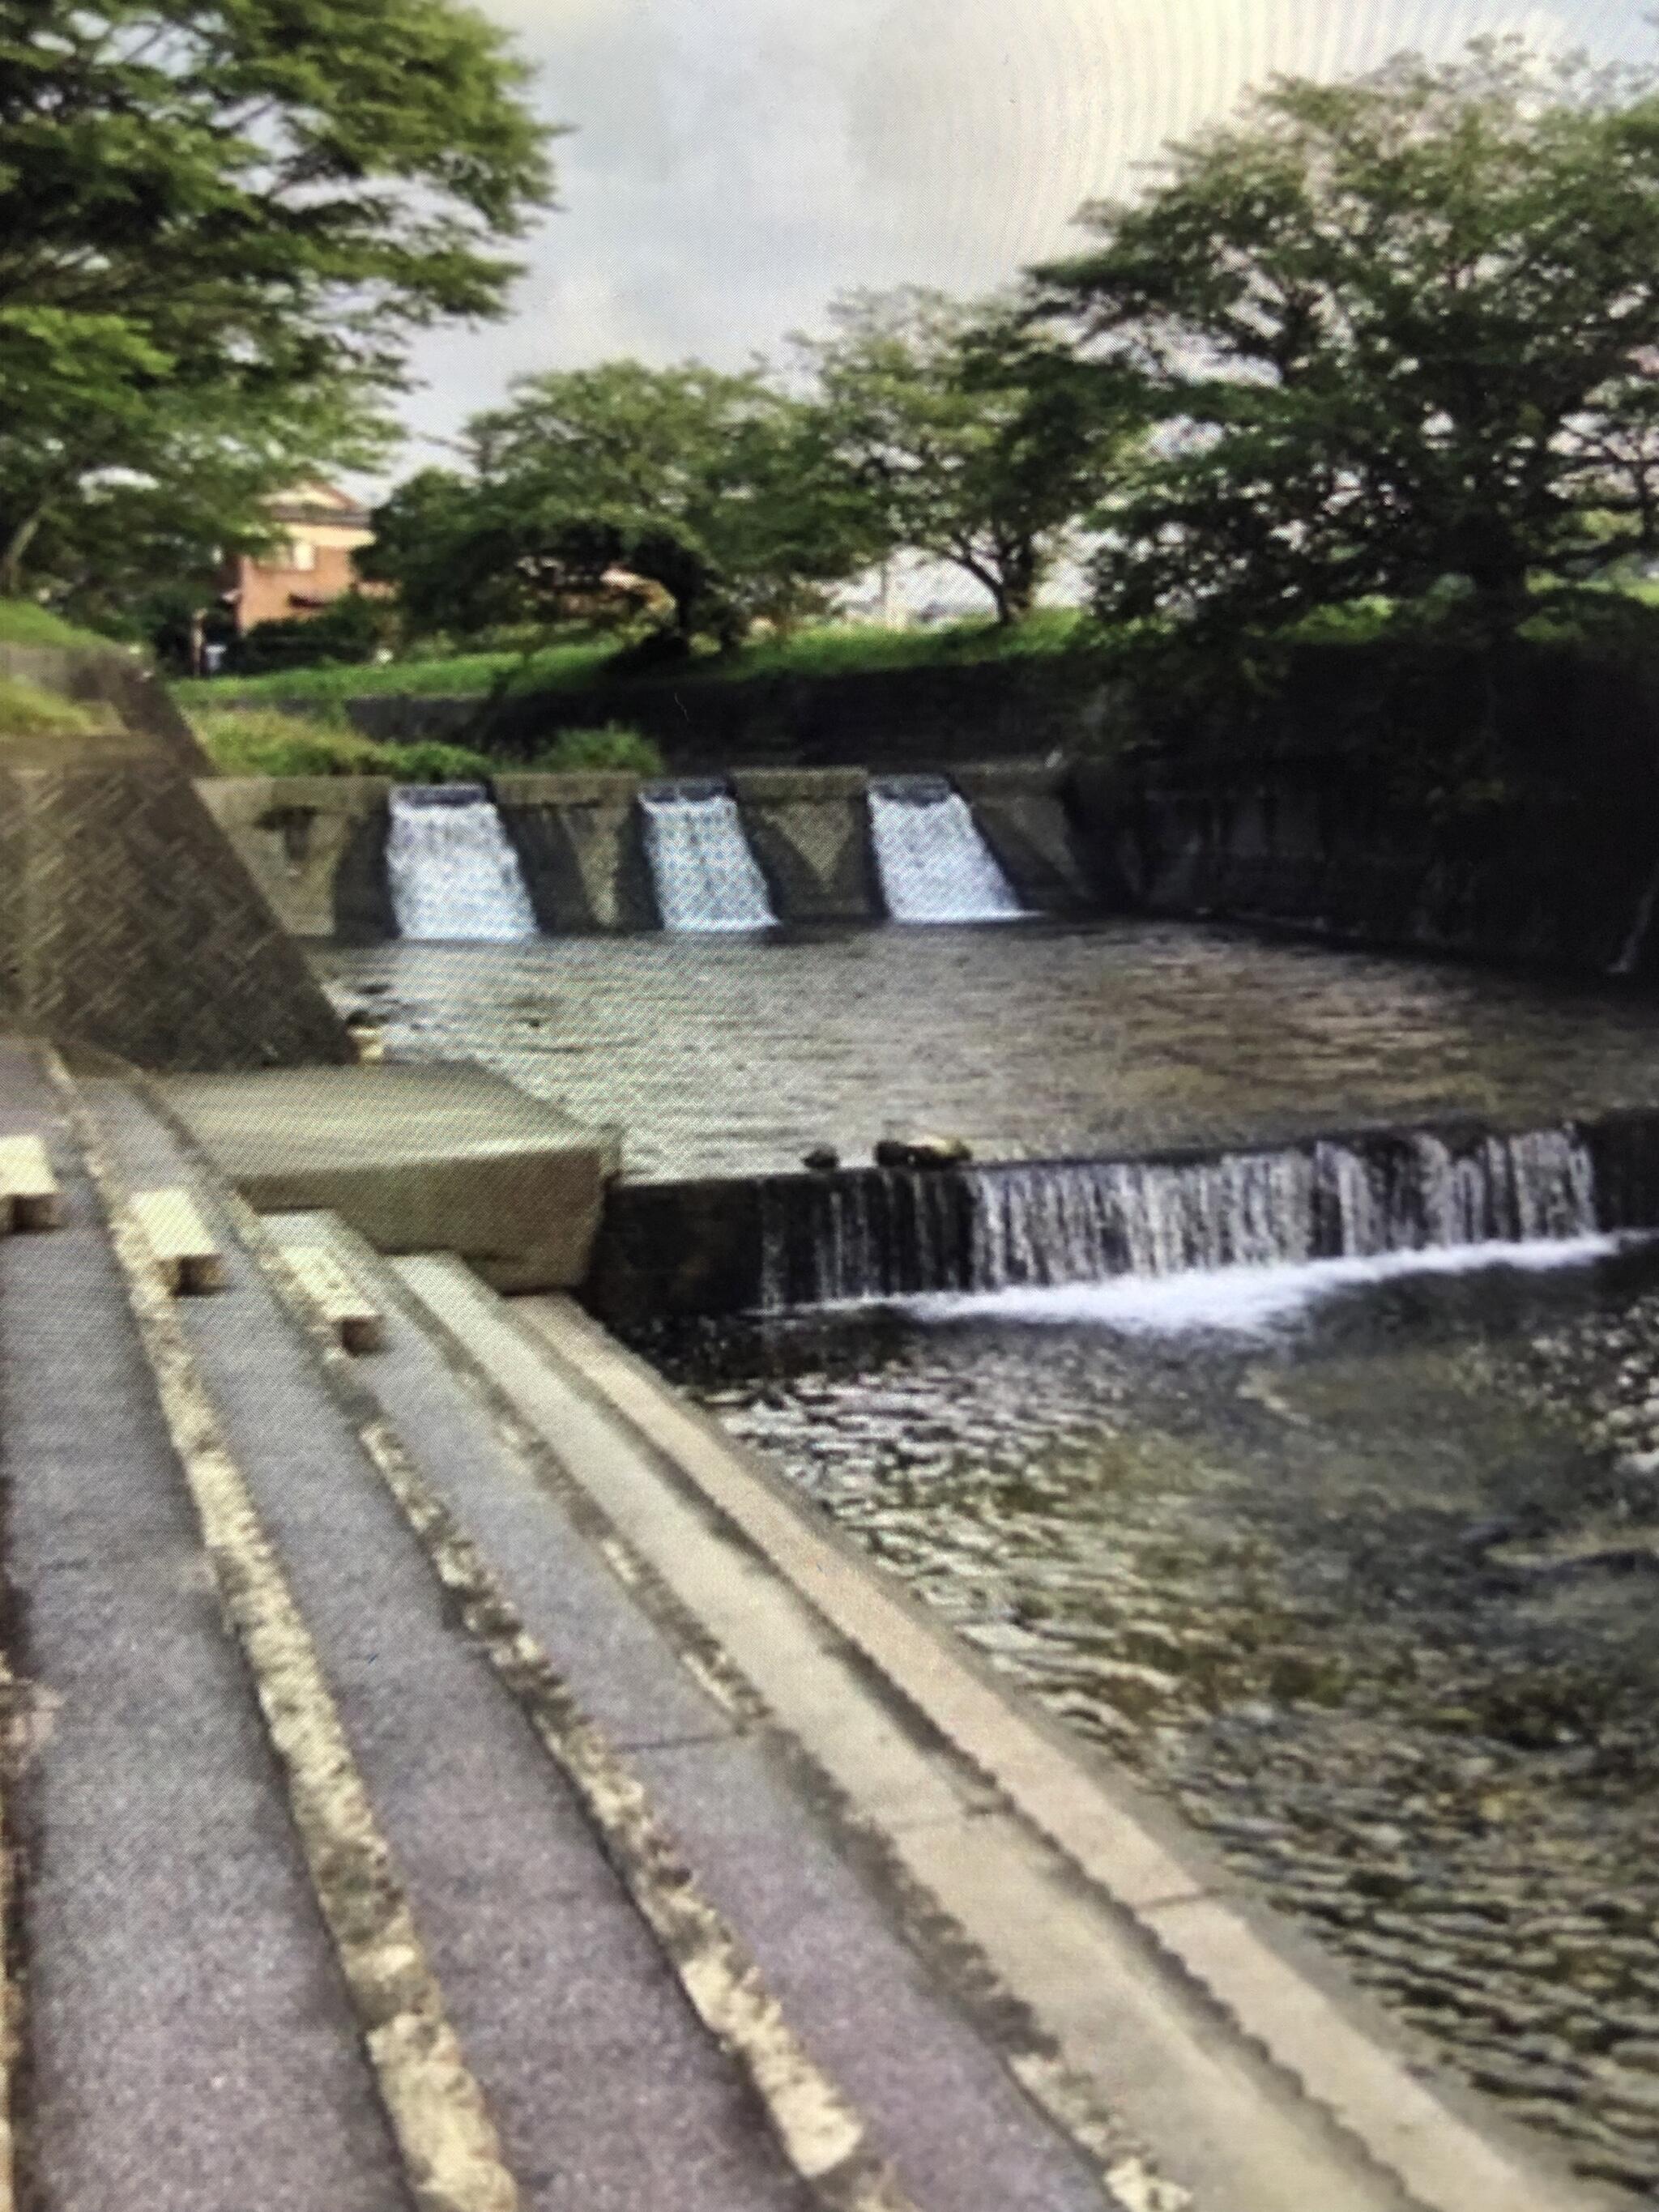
[729, 1056]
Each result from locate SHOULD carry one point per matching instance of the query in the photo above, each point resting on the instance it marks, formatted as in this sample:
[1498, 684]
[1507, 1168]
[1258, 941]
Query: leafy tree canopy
[1401, 331]
[978, 442]
[714, 487]
[240, 208]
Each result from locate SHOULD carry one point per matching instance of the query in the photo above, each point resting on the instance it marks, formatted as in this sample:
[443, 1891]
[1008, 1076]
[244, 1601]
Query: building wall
[268, 592]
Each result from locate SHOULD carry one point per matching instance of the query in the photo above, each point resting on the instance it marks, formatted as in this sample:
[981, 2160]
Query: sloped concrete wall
[581, 844]
[1020, 807]
[315, 846]
[138, 701]
[128, 922]
[810, 829]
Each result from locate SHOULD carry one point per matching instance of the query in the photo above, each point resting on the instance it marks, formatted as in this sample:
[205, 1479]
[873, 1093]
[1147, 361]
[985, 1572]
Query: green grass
[264, 741]
[27, 710]
[22, 622]
[831, 649]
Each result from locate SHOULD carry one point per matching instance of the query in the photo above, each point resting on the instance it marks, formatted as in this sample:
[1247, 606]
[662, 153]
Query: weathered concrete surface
[415, 1158]
[1020, 808]
[128, 922]
[316, 847]
[906, 1726]
[186, 2037]
[581, 846]
[605, 2092]
[937, 2103]
[810, 829]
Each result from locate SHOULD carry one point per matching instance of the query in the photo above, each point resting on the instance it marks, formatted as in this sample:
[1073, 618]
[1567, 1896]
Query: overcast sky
[735, 163]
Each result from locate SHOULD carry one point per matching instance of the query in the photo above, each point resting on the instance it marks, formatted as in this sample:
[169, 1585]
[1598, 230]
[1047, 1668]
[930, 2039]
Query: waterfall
[934, 864]
[706, 876]
[873, 1234]
[453, 871]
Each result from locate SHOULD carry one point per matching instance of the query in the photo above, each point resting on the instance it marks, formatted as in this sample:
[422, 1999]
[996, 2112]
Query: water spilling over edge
[451, 869]
[1004, 1231]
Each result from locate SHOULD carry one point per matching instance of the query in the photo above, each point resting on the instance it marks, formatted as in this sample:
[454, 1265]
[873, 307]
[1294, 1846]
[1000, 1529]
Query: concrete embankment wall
[316, 845]
[1428, 802]
[127, 921]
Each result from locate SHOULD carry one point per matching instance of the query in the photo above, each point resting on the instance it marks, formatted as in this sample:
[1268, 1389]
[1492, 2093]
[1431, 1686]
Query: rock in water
[823, 1159]
[924, 1152]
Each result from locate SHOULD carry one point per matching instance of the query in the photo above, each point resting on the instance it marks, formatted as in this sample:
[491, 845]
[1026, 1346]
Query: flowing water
[934, 864]
[707, 877]
[1342, 1570]
[1012, 1229]
[453, 871]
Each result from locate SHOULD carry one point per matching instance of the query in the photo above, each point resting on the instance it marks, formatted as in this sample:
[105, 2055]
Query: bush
[27, 710]
[613, 746]
[349, 631]
[264, 741]
[428, 760]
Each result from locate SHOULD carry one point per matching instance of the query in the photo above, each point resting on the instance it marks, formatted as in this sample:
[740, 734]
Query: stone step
[183, 1247]
[29, 1196]
[344, 1306]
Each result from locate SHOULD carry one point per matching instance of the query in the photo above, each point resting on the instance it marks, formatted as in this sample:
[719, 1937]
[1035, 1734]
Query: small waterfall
[934, 864]
[706, 876]
[872, 1234]
[453, 871]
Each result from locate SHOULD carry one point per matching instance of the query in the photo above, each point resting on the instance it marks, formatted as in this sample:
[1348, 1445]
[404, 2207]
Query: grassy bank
[840, 649]
[266, 741]
[22, 622]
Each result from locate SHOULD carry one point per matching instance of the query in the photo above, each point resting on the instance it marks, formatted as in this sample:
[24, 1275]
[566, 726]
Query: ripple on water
[1331, 1591]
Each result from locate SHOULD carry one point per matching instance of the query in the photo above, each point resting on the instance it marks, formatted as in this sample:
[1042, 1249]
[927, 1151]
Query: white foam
[1247, 1301]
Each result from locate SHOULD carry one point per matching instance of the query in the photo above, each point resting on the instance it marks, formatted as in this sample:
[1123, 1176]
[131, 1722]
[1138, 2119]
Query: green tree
[1400, 332]
[979, 443]
[237, 209]
[714, 487]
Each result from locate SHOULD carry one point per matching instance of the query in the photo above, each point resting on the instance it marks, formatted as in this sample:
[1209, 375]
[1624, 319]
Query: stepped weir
[706, 876]
[935, 866]
[1040, 1225]
[451, 870]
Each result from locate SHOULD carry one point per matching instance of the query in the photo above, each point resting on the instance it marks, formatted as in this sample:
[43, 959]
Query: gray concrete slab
[414, 1157]
[188, 2040]
[607, 2092]
[939, 2102]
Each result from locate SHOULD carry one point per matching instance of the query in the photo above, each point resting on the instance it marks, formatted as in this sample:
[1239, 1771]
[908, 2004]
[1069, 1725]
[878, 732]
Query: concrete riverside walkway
[439, 1780]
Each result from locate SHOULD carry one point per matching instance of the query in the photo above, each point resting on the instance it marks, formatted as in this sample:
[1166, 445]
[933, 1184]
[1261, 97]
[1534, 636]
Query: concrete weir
[317, 845]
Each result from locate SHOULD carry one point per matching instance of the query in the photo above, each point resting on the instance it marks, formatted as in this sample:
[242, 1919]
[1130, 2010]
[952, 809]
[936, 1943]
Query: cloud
[737, 162]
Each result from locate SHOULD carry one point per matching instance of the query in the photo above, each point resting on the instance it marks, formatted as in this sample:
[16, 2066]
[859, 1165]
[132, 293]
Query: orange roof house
[309, 566]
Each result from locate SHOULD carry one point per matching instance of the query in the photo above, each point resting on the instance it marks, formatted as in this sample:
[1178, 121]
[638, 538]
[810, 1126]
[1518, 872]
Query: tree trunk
[11, 558]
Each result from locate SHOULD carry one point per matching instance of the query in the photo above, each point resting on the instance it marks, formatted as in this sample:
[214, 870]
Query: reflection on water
[729, 1056]
[1357, 1590]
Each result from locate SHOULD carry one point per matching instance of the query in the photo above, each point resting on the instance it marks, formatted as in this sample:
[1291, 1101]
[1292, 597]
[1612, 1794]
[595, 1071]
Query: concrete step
[188, 2040]
[603, 2087]
[908, 2037]
[30, 1198]
[1259, 2078]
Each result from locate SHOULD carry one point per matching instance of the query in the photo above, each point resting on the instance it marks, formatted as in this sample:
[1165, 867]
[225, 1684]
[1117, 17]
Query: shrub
[428, 760]
[613, 746]
[264, 741]
[349, 631]
[27, 710]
